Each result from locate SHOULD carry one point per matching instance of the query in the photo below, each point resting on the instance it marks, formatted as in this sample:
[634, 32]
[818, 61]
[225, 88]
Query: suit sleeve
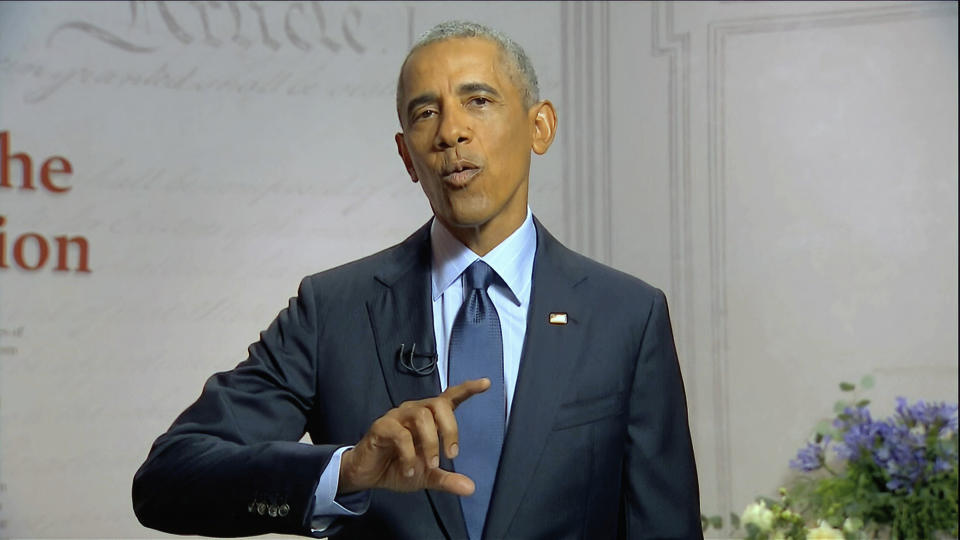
[230, 464]
[661, 496]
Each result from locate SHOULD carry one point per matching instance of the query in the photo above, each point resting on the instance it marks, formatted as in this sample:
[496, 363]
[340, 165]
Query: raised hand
[401, 450]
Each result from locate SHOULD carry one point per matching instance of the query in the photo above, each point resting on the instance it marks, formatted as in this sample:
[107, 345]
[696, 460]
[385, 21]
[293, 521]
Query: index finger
[463, 391]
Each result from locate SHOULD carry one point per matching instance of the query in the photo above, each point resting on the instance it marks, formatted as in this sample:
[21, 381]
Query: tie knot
[478, 275]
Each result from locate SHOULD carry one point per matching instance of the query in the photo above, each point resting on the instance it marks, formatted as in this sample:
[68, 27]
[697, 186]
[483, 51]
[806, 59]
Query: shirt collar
[512, 259]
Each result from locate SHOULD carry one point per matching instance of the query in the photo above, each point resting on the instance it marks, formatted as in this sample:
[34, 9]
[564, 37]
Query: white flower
[758, 514]
[852, 525]
[824, 532]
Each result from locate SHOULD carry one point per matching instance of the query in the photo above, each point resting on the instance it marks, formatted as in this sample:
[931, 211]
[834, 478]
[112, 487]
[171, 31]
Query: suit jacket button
[272, 510]
[261, 508]
[284, 509]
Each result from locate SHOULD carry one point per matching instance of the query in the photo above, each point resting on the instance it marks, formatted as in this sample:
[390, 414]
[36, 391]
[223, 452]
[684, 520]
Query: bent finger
[446, 426]
[421, 423]
[394, 434]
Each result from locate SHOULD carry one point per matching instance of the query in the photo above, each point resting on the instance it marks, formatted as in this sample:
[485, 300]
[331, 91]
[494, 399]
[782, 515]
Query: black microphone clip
[413, 362]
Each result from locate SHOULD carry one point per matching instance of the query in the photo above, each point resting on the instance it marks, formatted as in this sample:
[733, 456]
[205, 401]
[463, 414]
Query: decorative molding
[676, 48]
[585, 57]
[717, 37]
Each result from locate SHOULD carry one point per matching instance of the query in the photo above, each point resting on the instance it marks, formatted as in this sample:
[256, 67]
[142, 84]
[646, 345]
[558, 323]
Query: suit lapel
[546, 359]
[401, 313]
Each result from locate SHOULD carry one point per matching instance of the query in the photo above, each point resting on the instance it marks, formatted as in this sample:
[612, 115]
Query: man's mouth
[459, 174]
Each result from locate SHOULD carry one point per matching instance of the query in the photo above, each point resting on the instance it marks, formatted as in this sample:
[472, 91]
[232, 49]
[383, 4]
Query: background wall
[786, 172]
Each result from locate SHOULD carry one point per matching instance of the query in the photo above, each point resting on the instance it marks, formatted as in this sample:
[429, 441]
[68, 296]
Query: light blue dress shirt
[512, 260]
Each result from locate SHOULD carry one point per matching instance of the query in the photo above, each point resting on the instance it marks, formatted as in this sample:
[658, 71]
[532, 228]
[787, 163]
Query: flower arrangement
[866, 478]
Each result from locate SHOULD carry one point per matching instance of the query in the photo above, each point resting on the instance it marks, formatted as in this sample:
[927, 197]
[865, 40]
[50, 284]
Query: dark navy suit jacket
[598, 444]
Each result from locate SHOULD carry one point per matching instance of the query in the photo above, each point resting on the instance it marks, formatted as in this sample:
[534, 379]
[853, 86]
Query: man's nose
[454, 128]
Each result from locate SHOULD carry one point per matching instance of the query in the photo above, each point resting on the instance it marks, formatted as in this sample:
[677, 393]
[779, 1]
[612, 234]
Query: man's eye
[481, 101]
[426, 113]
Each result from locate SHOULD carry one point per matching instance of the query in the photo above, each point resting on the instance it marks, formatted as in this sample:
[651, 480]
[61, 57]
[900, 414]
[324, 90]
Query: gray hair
[526, 77]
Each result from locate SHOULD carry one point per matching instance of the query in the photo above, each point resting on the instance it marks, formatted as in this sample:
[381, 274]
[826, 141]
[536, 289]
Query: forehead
[442, 65]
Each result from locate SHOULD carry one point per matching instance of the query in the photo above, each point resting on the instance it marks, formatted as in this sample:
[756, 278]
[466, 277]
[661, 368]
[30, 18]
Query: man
[478, 380]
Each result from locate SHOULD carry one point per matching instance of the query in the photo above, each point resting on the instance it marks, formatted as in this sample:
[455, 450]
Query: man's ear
[544, 120]
[405, 156]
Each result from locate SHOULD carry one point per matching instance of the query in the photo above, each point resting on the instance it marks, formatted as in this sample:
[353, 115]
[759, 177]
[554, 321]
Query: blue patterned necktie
[476, 351]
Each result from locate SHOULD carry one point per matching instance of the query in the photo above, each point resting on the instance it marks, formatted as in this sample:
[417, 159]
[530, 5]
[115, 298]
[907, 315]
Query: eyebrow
[465, 88]
[473, 87]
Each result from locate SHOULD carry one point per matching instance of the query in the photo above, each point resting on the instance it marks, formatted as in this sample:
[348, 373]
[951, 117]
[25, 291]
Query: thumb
[450, 482]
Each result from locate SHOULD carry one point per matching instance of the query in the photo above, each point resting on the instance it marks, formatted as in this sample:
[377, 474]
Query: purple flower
[906, 448]
[941, 465]
[811, 456]
[860, 433]
[930, 416]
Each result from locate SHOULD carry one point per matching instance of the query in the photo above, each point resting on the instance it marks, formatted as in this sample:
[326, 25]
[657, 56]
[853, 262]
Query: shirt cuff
[327, 505]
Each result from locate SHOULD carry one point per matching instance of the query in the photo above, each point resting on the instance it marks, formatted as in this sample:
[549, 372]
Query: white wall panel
[787, 172]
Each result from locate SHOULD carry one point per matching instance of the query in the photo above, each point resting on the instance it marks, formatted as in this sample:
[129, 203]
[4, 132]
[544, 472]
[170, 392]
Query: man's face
[467, 136]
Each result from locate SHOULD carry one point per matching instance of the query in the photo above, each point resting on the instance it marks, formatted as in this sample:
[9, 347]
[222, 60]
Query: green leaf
[734, 520]
[867, 382]
[824, 428]
[863, 403]
[716, 521]
[704, 522]
[847, 387]
[839, 406]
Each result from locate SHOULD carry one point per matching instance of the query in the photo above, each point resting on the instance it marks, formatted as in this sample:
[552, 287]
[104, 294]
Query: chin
[468, 215]
[465, 222]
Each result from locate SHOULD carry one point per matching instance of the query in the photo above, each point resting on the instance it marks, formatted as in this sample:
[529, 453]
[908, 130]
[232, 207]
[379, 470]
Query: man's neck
[481, 239]
[512, 259]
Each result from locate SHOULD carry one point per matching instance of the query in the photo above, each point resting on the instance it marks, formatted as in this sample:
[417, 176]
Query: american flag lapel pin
[558, 318]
